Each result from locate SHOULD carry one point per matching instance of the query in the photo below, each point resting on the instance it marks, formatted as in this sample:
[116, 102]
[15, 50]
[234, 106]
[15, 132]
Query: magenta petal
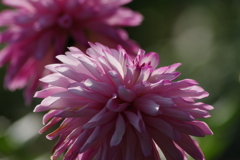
[119, 131]
[70, 73]
[203, 126]
[162, 126]
[116, 78]
[56, 80]
[135, 120]
[49, 115]
[125, 17]
[126, 94]
[16, 3]
[48, 92]
[102, 117]
[105, 128]
[188, 128]
[144, 74]
[190, 146]
[78, 89]
[173, 67]
[114, 105]
[162, 101]
[147, 106]
[196, 93]
[186, 104]
[145, 142]
[167, 146]
[151, 58]
[100, 87]
[180, 115]
[43, 45]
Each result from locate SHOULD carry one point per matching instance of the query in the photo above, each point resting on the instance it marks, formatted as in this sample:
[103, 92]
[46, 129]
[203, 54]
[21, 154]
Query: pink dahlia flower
[38, 30]
[114, 107]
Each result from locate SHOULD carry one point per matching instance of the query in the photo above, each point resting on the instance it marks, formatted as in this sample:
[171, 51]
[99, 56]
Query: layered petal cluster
[38, 30]
[112, 106]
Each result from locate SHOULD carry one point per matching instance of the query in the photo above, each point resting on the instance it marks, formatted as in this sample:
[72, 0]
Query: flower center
[65, 21]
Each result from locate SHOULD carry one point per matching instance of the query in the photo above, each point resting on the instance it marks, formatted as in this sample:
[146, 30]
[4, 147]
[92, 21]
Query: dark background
[203, 35]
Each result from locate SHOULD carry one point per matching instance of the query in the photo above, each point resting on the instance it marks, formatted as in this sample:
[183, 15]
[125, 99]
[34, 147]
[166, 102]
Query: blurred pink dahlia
[114, 107]
[38, 30]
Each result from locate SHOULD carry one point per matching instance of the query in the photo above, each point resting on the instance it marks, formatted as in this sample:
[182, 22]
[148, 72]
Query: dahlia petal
[5, 55]
[145, 142]
[125, 17]
[116, 3]
[128, 77]
[75, 49]
[49, 91]
[15, 3]
[56, 80]
[135, 120]
[49, 115]
[115, 65]
[196, 113]
[75, 64]
[95, 70]
[130, 143]
[70, 73]
[65, 141]
[79, 142]
[52, 67]
[105, 128]
[167, 146]
[155, 77]
[150, 58]
[126, 94]
[98, 49]
[147, 106]
[89, 154]
[180, 84]
[94, 135]
[196, 93]
[144, 74]
[141, 88]
[50, 124]
[119, 131]
[77, 113]
[183, 103]
[58, 104]
[43, 45]
[113, 104]
[7, 17]
[59, 42]
[110, 152]
[69, 60]
[116, 78]
[102, 117]
[162, 126]
[60, 101]
[204, 127]
[180, 115]
[162, 101]
[190, 129]
[78, 89]
[65, 127]
[173, 67]
[104, 64]
[190, 146]
[100, 87]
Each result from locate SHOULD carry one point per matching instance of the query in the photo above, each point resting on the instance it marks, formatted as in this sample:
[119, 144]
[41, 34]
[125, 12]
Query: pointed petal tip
[40, 108]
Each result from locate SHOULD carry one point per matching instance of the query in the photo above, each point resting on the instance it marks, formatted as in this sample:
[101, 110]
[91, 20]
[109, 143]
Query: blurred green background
[203, 35]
